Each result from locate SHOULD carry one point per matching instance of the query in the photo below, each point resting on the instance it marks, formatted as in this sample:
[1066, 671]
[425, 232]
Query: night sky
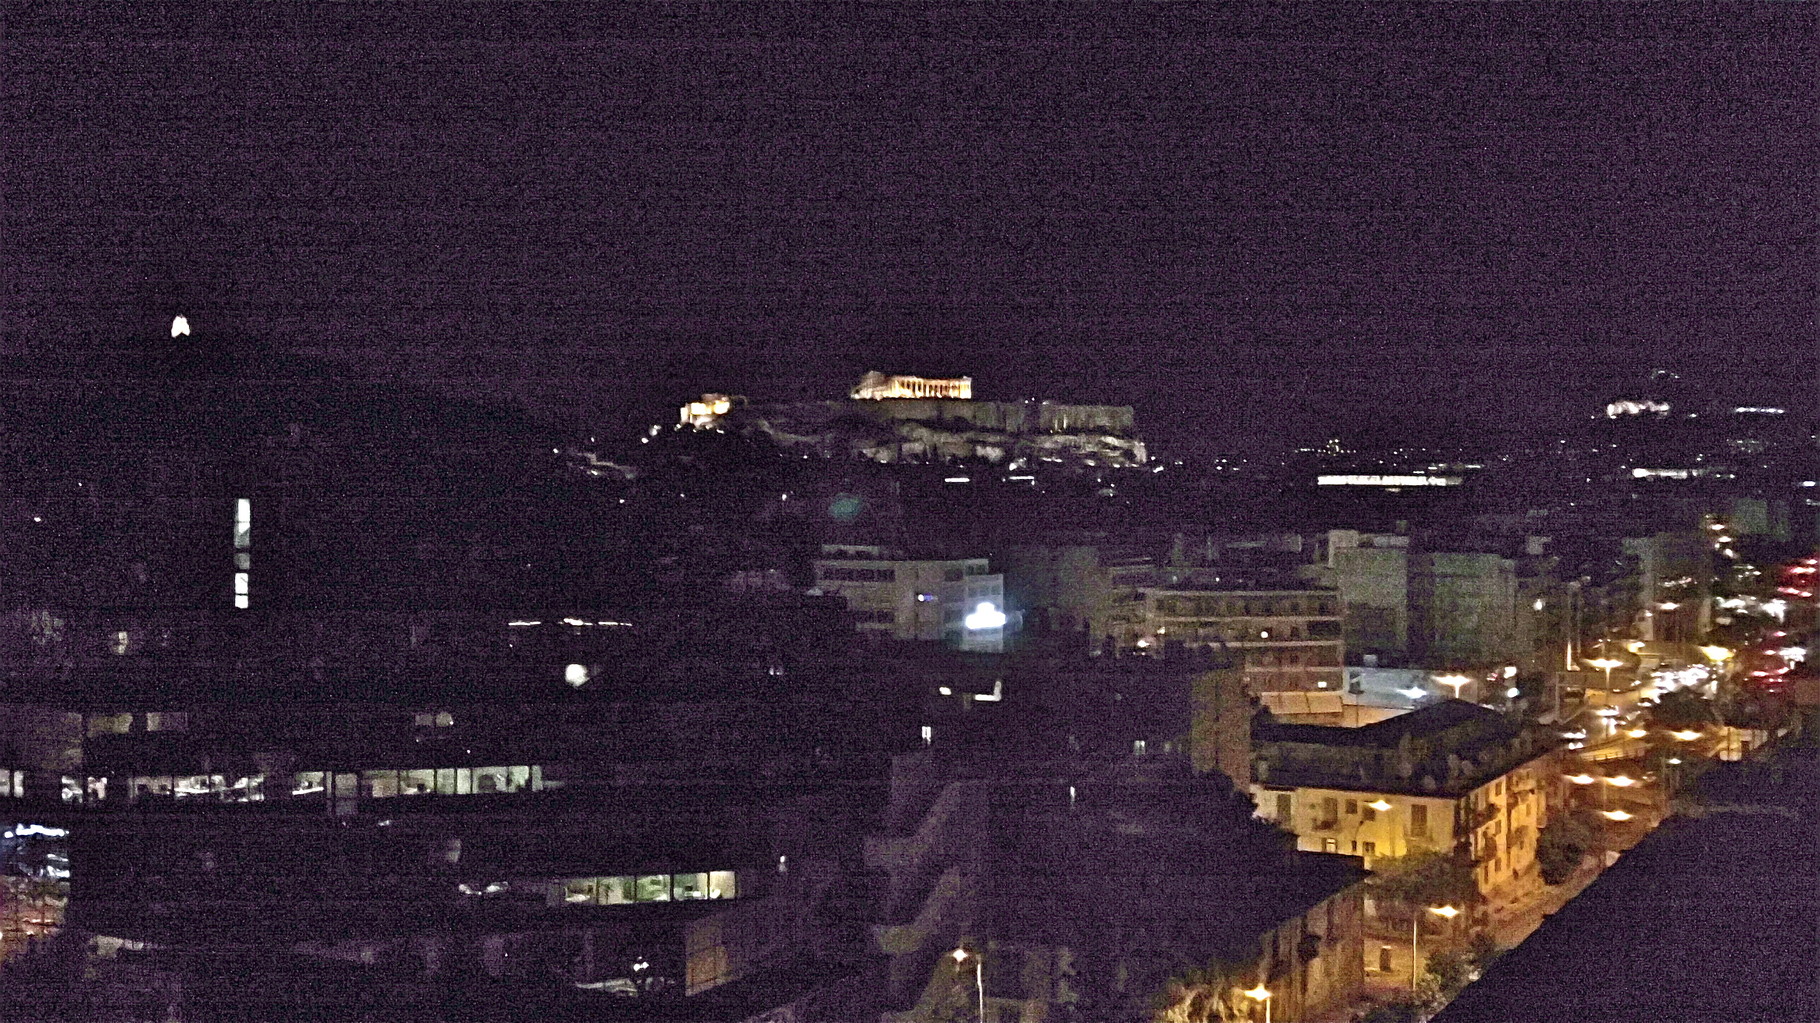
[1251, 218]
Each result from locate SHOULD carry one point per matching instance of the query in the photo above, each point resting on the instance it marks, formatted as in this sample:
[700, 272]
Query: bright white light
[984, 616]
[576, 675]
[1413, 693]
[1510, 671]
[180, 326]
[1512, 693]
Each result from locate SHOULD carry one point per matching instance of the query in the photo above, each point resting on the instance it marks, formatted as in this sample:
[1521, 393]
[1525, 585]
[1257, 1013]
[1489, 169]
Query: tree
[1563, 842]
[1450, 970]
[1682, 708]
[1484, 950]
[1424, 879]
[1401, 1011]
[1212, 994]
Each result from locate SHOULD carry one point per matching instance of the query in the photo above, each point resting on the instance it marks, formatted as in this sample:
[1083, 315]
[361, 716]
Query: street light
[1686, 735]
[1415, 933]
[1717, 654]
[1456, 681]
[1261, 994]
[1617, 815]
[1606, 663]
[1622, 781]
[979, 975]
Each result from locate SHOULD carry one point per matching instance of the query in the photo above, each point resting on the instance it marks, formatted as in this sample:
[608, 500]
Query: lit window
[243, 524]
[689, 887]
[242, 591]
[928, 734]
[722, 885]
[652, 888]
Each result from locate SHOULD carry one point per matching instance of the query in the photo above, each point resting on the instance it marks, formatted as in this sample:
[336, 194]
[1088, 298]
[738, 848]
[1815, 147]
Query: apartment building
[1451, 776]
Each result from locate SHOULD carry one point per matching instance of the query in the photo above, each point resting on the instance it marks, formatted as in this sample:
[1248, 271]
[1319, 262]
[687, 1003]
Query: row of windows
[379, 784]
[155, 721]
[859, 575]
[1246, 608]
[616, 891]
[1327, 815]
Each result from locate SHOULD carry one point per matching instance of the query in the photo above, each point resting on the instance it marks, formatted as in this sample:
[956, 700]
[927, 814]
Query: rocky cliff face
[931, 432]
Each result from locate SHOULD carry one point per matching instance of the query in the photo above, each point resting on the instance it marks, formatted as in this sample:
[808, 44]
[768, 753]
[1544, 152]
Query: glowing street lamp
[1618, 815]
[1456, 681]
[1638, 733]
[1717, 654]
[1622, 781]
[1415, 933]
[1686, 734]
[1606, 664]
[1581, 779]
[1261, 994]
[961, 955]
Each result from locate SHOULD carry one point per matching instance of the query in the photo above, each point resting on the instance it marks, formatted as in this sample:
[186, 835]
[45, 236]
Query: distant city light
[1368, 480]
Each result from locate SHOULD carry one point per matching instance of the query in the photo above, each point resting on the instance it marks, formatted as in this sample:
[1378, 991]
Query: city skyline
[1256, 218]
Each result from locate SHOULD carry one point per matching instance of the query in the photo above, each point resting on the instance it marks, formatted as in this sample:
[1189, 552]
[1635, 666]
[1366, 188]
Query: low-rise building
[1448, 777]
[960, 602]
[1288, 639]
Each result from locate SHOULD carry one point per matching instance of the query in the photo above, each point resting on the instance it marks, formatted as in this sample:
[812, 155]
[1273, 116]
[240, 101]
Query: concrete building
[1080, 887]
[1673, 570]
[1447, 777]
[958, 602]
[1710, 918]
[1371, 572]
[1465, 607]
[1288, 639]
[1088, 590]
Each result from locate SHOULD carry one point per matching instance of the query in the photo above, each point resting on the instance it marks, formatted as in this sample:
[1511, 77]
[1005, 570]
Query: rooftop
[1421, 723]
[1710, 918]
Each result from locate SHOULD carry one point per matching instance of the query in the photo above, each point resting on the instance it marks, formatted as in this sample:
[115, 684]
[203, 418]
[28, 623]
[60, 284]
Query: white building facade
[959, 602]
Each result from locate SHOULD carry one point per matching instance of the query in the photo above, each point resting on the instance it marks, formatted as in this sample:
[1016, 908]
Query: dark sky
[1251, 217]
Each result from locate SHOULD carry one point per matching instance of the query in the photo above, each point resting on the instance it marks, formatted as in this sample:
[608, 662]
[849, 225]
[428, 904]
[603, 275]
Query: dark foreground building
[1709, 919]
